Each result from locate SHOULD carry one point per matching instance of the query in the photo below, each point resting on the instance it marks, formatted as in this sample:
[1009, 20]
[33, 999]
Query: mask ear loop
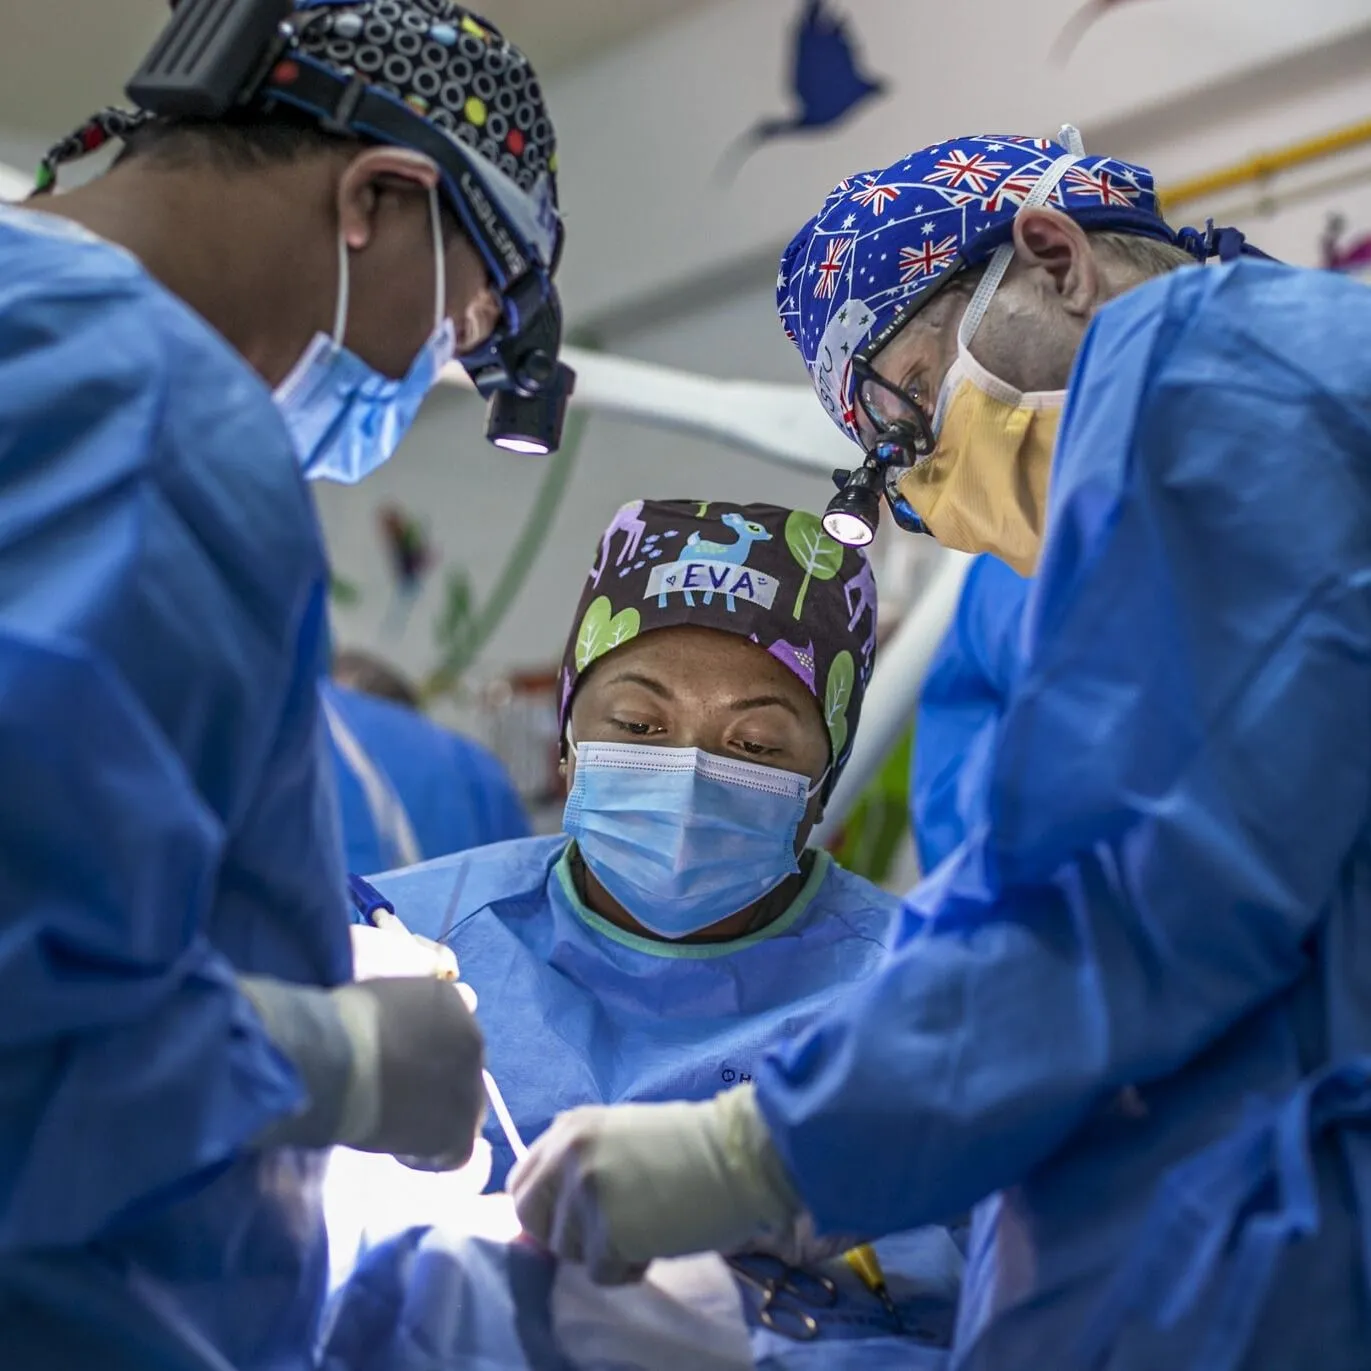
[340, 311]
[439, 261]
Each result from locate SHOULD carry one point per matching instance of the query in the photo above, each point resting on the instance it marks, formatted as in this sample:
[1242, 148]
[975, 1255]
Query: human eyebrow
[760, 701]
[648, 683]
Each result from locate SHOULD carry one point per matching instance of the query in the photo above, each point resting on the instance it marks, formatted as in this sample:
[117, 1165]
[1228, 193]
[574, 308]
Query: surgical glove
[397, 952]
[391, 1065]
[617, 1187]
[378, 952]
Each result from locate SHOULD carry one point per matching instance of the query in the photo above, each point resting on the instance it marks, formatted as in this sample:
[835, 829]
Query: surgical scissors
[786, 1295]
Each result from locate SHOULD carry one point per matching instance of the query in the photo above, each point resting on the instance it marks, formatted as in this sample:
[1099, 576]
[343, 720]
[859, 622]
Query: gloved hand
[617, 1187]
[398, 952]
[390, 1065]
[378, 952]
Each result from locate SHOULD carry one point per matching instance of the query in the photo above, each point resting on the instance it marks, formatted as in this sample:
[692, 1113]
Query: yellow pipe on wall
[1266, 164]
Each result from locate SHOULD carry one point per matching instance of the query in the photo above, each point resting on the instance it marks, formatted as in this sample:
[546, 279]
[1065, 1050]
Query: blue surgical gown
[1165, 884]
[453, 792]
[577, 1011]
[959, 706]
[167, 820]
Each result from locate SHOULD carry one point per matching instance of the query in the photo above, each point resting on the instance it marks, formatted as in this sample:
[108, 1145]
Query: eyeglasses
[896, 415]
[901, 433]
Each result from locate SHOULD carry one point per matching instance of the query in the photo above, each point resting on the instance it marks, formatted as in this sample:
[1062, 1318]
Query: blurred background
[462, 564]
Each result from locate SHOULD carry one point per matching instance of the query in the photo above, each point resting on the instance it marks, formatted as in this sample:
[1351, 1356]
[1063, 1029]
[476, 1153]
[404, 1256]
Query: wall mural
[409, 557]
[827, 80]
[1076, 27]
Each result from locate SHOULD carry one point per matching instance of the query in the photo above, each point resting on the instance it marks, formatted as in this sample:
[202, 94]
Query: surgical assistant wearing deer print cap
[578, 1009]
[768, 574]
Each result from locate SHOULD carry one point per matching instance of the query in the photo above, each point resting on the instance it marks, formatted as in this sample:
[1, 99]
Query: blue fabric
[1165, 881]
[428, 1302]
[167, 820]
[963, 694]
[456, 793]
[578, 1012]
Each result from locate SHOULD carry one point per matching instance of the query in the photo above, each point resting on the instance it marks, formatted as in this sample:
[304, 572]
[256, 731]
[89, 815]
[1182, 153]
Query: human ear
[359, 188]
[1054, 243]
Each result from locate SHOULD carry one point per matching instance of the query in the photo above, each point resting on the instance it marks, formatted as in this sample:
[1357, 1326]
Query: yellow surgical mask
[983, 488]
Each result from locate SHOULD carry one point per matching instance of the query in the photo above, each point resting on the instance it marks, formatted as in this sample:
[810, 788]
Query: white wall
[21, 153]
[641, 132]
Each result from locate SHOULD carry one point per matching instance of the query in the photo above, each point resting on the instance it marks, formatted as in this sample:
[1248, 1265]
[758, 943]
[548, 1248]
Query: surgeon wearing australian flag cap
[1133, 1028]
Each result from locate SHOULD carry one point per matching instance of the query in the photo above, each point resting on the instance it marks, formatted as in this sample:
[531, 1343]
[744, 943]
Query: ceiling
[62, 59]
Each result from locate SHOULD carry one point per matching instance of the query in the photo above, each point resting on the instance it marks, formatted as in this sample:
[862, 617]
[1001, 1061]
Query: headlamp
[527, 387]
[854, 513]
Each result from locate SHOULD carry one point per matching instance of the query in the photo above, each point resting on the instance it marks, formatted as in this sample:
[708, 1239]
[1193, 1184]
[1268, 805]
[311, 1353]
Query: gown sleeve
[962, 698]
[141, 693]
[1179, 776]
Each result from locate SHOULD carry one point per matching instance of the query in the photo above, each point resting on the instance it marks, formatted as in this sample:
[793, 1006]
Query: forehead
[928, 336]
[704, 666]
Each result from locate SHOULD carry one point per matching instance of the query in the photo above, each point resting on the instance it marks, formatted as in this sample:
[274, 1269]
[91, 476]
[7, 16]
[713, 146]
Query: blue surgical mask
[345, 417]
[682, 838]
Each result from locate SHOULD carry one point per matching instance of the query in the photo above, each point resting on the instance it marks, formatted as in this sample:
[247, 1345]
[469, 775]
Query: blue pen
[372, 905]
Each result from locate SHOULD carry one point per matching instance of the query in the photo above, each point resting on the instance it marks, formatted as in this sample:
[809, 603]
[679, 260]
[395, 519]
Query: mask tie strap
[1004, 254]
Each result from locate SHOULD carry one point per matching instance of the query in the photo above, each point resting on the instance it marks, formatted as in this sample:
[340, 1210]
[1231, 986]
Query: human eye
[750, 747]
[915, 385]
[636, 728]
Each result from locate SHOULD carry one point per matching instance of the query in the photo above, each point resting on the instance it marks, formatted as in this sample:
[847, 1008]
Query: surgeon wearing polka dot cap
[307, 219]
[402, 165]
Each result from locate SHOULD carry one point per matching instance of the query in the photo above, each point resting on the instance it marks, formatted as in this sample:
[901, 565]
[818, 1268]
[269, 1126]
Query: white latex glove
[617, 1187]
[394, 951]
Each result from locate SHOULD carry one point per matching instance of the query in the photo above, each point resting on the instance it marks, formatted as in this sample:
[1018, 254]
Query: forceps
[787, 1293]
